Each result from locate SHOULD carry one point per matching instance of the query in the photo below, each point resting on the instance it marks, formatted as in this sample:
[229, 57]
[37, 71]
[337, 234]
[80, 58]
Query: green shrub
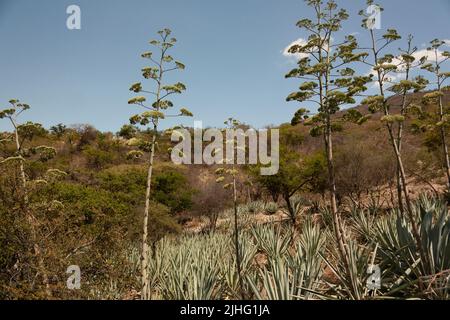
[171, 189]
[127, 131]
[97, 158]
[90, 205]
[126, 183]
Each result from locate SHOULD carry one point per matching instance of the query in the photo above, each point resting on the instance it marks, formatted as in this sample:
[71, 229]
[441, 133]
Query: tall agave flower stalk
[229, 178]
[162, 64]
[383, 65]
[328, 82]
[406, 63]
[21, 134]
[441, 77]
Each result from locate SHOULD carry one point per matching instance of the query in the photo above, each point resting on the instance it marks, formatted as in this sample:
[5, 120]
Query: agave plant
[157, 265]
[293, 276]
[272, 240]
[307, 258]
[429, 278]
[192, 270]
[363, 223]
[298, 205]
[352, 284]
[326, 214]
[203, 282]
[277, 282]
[228, 266]
[174, 280]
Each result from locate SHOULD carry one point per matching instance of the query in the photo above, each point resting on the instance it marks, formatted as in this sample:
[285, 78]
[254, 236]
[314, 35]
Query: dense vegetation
[358, 188]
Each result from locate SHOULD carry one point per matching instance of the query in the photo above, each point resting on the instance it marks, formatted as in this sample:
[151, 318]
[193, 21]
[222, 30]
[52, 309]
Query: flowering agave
[328, 82]
[384, 65]
[439, 58]
[23, 133]
[162, 63]
[227, 176]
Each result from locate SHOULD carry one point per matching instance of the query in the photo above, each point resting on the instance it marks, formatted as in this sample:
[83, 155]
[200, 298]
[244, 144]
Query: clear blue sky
[232, 50]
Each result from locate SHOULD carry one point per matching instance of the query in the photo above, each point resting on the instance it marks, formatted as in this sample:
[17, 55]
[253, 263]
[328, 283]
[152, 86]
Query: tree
[295, 174]
[59, 130]
[162, 64]
[437, 95]
[23, 133]
[210, 202]
[329, 82]
[172, 190]
[127, 131]
[383, 66]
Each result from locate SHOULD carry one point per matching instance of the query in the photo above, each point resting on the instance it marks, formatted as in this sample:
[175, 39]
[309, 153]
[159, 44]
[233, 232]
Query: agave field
[202, 182]
[282, 262]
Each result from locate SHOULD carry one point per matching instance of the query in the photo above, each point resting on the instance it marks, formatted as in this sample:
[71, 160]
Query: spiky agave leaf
[273, 240]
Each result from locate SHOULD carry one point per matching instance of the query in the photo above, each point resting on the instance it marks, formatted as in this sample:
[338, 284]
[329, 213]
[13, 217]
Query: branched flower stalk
[437, 96]
[21, 134]
[329, 82]
[227, 176]
[406, 63]
[161, 65]
[383, 66]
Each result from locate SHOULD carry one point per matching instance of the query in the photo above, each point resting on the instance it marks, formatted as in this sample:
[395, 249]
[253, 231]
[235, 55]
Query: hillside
[99, 200]
[340, 204]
